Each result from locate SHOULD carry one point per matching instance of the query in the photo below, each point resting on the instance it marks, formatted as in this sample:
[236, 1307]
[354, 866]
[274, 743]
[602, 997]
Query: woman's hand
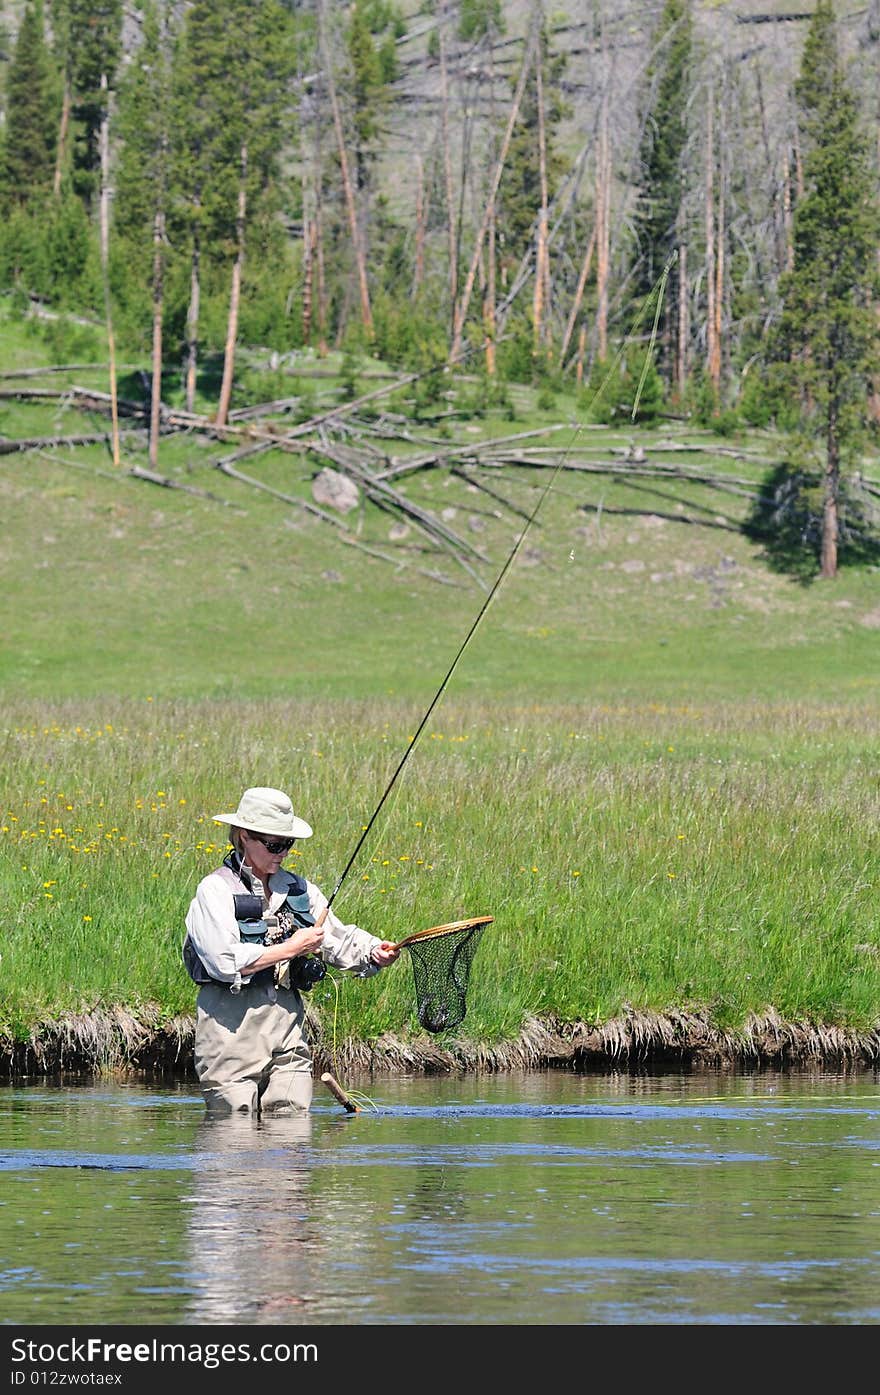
[307, 940]
[384, 953]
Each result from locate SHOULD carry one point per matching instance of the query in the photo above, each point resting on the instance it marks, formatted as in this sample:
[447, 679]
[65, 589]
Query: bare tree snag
[787, 222]
[192, 318]
[421, 223]
[719, 262]
[828, 564]
[681, 362]
[798, 167]
[447, 175]
[713, 362]
[462, 308]
[489, 318]
[104, 224]
[158, 305]
[541, 255]
[348, 190]
[222, 412]
[603, 233]
[322, 284]
[578, 296]
[308, 276]
[61, 148]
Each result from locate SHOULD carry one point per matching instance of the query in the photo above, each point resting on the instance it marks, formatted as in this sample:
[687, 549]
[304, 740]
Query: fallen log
[152, 477]
[384, 495]
[670, 517]
[347, 536]
[10, 447]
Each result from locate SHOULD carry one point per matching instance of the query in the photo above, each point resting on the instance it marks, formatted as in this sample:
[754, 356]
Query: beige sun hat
[262, 810]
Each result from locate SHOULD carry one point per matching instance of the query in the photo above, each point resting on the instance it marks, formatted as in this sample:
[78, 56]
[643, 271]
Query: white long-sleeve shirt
[214, 934]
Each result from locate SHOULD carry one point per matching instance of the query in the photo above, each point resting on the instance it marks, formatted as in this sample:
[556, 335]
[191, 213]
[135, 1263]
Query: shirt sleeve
[214, 932]
[345, 946]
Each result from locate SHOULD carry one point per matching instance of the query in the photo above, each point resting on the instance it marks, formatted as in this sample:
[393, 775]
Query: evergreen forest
[672, 207]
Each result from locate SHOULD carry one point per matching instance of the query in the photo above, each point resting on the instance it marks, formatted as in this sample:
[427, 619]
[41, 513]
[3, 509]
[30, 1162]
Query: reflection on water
[543, 1198]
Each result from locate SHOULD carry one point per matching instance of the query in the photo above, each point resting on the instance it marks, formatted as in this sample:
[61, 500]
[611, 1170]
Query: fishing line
[664, 276]
[657, 289]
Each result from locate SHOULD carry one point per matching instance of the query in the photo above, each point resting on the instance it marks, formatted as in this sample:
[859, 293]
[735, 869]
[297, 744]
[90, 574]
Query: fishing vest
[255, 925]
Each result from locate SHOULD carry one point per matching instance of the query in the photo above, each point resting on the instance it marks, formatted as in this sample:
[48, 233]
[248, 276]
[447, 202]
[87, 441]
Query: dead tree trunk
[308, 277]
[681, 362]
[104, 223]
[831, 496]
[491, 235]
[158, 306]
[421, 224]
[719, 263]
[447, 175]
[347, 188]
[462, 308]
[490, 298]
[541, 254]
[319, 243]
[234, 296]
[578, 297]
[603, 233]
[192, 318]
[787, 223]
[322, 285]
[712, 356]
[61, 148]
[579, 367]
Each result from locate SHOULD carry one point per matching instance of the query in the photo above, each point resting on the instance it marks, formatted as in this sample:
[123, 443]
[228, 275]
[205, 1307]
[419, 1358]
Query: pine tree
[28, 159]
[479, 18]
[232, 118]
[368, 87]
[201, 160]
[660, 182]
[826, 346]
[93, 36]
[519, 193]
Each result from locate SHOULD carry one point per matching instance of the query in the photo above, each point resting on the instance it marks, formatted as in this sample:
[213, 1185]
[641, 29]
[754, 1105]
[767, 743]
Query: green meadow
[655, 762]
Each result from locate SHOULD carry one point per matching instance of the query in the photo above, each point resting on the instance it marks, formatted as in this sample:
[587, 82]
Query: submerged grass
[640, 862]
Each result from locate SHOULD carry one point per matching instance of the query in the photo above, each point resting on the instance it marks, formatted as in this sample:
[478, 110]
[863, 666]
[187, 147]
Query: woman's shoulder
[218, 879]
[297, 885]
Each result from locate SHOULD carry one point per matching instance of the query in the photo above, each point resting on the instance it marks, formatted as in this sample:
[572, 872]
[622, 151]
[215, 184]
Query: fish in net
[441, 960]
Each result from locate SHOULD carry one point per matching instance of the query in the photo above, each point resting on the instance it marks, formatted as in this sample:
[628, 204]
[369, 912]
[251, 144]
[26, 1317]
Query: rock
[335, 491]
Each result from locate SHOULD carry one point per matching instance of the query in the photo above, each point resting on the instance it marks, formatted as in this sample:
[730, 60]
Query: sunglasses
[273, 845]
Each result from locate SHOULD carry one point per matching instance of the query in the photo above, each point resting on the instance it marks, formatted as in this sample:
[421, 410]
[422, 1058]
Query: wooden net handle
[435, 930]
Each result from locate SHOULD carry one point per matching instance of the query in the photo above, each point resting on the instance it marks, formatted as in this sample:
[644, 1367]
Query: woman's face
[262, 858]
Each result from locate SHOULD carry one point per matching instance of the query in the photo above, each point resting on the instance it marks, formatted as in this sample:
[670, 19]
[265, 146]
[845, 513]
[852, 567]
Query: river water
[541, 1198]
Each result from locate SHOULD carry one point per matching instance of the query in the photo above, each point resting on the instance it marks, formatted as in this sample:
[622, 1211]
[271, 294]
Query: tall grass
[722, 860]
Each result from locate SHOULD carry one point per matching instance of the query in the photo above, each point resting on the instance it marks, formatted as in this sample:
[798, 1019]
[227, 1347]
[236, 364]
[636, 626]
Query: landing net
[441, 960]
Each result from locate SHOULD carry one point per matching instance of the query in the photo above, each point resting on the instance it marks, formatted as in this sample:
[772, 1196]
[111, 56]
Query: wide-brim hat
[262, 810]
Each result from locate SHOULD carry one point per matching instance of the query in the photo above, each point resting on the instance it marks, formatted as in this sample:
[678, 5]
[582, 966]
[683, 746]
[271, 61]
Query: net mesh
[441, 960]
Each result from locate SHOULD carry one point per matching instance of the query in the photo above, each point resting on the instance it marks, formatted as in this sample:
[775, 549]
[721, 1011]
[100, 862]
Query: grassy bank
[716, 861]
[655, 765]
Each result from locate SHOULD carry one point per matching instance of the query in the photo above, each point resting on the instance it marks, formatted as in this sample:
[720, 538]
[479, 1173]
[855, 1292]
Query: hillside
[627, 587]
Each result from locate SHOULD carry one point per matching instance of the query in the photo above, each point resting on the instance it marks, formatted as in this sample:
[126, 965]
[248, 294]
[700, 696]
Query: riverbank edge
[118, 1040]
